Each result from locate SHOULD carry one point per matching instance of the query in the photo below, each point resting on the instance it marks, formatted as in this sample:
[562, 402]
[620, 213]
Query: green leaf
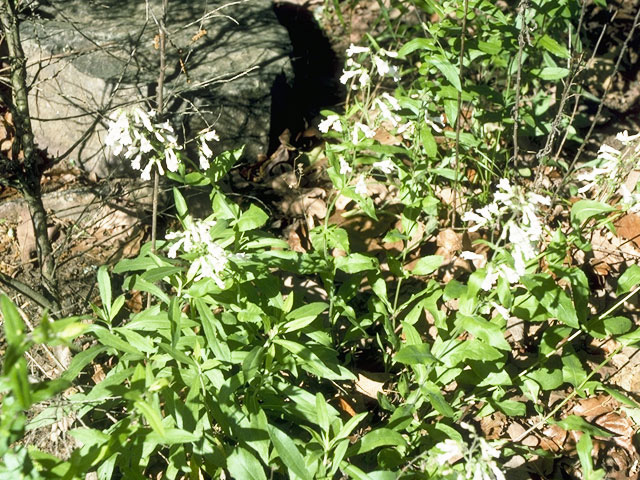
[180, 203]
[323, 415]
[381, 437]
[573, 422]
[552, 298]
[252, 362]
[19, 381]
[427, 265]
[174, 436]
[610, 326]
[585, 209]
[253, 218]
[485, 331]
[153, 416]
[628, 280]
[415, 355]
[13, 324]
[356, 262]
[289, 453]
[428, 141]
[548, 378]
[242, 464]
[109, 339]
[553, 73]
[572, 370]
[222, 164]
[436, 399]
[553, 46]
[447, 69]
[584, 448]
[303, 316]
[104, 285]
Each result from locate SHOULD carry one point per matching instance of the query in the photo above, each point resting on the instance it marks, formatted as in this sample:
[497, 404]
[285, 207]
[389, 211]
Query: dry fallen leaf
[628, 227]
[371, 384]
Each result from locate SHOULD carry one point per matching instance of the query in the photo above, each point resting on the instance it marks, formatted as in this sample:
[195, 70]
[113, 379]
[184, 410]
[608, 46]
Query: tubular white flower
[345, 168]
[332, 122]
[205, 150]
[348, 75]
[204, 162]
[171, 159]
[141, 117]
[135, 163]
[210, 136]
[146, 173]
[361, 186]
[386, 166]
[355, 50]
[392, 101]
[382, 66]
[468, 255]
[490, 279]
[625, 138]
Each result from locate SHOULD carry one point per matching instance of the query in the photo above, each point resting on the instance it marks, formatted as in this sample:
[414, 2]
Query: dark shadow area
[316, 69]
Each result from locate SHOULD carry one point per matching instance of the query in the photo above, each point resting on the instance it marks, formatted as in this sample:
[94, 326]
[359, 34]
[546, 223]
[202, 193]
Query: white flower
[361, 127]
[209, 136]
[332, 122]
[158, 136]
[501, 310]
[171, 159]
[204, 162]
[490, 279]
[361, 186]
[382, 66]
[135, 163]
[539, 199]
[474, 217]
[355, 50]
[348, 75]
[510, 274]
[386, 112]
[167, 126]
[364, 79]
[386, 166]
[468, 255]
[212, 259]
[146, 173]
[625, 138]
[205, 150]
[141, 117]
[451, 451]
[388, 53]
[345, 168]
[145, 145]
[392, 101]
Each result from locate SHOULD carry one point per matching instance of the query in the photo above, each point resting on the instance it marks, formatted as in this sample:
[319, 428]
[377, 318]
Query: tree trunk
[24, 148]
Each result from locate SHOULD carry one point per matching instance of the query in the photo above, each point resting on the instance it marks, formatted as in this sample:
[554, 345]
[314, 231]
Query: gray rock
[89, 57]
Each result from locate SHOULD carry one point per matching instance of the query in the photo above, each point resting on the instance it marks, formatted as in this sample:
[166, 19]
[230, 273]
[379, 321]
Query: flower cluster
[204, 151]
[523, 229]
[196, 239]
[479, 458]
[140, 138]
[610, 169]
[357, 71]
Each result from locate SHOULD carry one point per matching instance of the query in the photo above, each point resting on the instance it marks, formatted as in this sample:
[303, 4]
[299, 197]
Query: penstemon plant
[234, 373]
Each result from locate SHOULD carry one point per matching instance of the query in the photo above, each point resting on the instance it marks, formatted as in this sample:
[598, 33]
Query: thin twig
[459, 114]
[524, 32]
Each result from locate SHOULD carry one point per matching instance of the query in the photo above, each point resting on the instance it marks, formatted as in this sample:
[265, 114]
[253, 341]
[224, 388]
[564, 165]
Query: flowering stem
[160, 110]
